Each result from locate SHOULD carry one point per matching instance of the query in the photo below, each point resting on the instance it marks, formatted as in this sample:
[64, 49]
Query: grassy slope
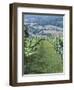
[46, 60]
[54, 62]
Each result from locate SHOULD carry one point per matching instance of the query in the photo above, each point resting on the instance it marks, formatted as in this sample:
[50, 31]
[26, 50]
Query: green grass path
[46, 60]
[51, 58]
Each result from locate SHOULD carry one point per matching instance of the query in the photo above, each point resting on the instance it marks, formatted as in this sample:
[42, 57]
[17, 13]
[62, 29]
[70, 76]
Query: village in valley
[43, 31]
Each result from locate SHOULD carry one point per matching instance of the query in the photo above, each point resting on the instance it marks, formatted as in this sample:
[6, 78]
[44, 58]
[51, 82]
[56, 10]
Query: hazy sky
[44, 19]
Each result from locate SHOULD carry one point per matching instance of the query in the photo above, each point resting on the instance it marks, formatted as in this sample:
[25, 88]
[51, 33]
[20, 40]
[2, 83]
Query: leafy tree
[58, 45]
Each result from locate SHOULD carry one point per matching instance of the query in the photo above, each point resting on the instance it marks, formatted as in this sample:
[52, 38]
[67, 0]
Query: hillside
[44, 31]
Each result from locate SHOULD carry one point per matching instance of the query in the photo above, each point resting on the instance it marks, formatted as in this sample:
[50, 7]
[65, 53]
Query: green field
[41, 56]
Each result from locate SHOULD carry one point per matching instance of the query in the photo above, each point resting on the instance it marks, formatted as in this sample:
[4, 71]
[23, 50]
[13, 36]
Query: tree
[58, 45]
